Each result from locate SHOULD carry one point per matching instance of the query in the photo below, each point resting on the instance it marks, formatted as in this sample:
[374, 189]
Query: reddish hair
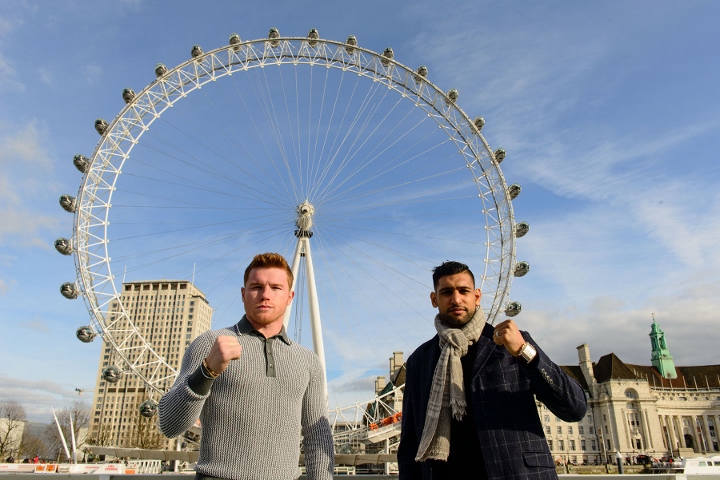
[269, 260]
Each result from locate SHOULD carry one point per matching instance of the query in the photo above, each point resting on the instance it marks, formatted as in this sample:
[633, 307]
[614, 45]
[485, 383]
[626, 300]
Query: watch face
[528, 352]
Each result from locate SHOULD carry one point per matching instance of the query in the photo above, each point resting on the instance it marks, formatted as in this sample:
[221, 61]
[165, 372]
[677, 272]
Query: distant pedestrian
[36, 459]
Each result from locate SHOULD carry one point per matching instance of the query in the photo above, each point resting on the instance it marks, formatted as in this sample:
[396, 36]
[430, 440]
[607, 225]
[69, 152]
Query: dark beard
[452, 322]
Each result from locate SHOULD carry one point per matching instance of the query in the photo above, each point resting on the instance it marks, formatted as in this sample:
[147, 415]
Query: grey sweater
[252, 422]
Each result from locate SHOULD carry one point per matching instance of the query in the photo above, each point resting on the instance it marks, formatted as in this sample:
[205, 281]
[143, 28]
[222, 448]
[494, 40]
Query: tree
[32, 445]
[12, 423]
[79, 412]
[145, 430]
[101, 436]
[146, 433]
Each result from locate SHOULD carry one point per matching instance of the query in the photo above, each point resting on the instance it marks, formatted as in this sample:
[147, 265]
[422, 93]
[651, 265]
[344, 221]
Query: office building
[168, 315]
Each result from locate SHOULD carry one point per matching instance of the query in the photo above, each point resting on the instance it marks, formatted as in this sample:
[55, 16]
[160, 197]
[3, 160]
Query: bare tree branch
[12, 423]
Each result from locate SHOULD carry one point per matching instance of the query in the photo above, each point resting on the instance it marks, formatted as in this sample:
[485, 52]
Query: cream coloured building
[657, 410]
[168, 314]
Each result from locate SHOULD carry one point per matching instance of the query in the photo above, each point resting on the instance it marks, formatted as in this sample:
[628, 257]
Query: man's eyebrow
[272, 284]
[450, 289]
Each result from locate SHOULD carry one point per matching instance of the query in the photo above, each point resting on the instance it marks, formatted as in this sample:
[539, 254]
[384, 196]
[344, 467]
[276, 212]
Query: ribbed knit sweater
[252, 423]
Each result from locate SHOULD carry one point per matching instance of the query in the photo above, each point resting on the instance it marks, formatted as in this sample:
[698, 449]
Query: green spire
[661, 358]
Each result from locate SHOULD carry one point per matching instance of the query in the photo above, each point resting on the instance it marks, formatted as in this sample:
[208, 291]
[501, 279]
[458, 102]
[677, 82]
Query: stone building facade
[660, 410]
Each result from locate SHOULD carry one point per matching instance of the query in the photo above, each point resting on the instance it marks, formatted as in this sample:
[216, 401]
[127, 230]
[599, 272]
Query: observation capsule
[521, 269]
[67, 202]
[196, 51]
[69, 290]
[85, 334]
[81, 162]
[148, 408]
[313, 35]
[128, 95]
[521, 229]
[420, 73]
[63, 246]
[479, 123]
[500, 155]
[235, 41]
[514, 190]
[387, 55]
[513, 309]
[111, 374]
[350, 43]
[101, 126]
[453, 95]
[160, 70]
[273, 35]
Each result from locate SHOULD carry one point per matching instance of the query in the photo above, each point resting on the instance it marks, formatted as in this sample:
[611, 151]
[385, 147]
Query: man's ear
[291, 296]
[478, 296]
[433, 299]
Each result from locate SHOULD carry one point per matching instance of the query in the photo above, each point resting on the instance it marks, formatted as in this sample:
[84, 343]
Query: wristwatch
[527, 353]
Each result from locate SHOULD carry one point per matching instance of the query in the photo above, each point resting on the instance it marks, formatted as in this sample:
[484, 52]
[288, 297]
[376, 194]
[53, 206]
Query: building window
[561, 445]
[547, 418]
[582, 445]
[591, 430]
[581, 429]
[547, 429]
[570, 430]
[550, 444]
[593, 445]
[559, 430]
[572, 445]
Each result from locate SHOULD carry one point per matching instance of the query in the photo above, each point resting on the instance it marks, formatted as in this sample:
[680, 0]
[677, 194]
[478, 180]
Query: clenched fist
[222, 352]
[508, 334]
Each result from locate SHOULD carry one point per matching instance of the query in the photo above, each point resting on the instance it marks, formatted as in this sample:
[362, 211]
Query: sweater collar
[244, 327]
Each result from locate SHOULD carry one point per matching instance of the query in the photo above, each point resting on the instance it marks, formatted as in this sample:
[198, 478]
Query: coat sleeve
[180, 407]
[559, 392]
[408, 468]
[316, 431]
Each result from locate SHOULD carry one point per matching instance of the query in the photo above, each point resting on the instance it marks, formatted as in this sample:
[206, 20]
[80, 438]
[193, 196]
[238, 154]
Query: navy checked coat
[506, 418]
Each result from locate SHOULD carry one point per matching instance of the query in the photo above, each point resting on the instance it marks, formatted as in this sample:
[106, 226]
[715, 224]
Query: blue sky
[608, 112]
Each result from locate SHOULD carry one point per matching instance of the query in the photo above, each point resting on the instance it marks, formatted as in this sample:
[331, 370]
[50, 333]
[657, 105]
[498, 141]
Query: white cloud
[27, 172]
[612, 325]
[46, 76]
[92, 73]
[4, 287]
[9, 79]
[38, 397]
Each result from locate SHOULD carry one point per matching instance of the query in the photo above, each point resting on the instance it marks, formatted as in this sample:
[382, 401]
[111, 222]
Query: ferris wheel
[277, 144]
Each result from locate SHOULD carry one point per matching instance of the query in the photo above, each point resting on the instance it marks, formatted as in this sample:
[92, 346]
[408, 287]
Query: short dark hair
[269, 260]
[450, 268]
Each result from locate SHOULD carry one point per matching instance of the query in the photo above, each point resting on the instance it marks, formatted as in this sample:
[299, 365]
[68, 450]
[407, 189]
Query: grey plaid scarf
[447, 394]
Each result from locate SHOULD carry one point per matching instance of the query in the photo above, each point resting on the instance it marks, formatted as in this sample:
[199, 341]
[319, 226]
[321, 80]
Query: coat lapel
[486, 346]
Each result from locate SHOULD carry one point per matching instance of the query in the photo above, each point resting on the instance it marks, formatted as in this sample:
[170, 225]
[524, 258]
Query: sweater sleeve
[316, 431]
[180, 407]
